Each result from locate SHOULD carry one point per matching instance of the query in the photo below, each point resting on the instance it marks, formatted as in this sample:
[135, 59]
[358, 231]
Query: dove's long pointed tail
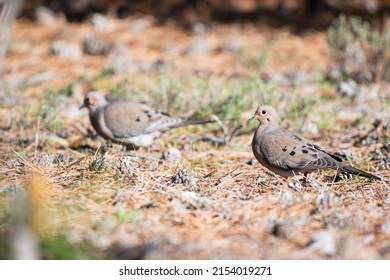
[353, 170]
[186, 122]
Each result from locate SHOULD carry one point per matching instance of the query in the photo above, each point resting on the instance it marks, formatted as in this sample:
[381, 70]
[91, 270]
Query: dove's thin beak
[82, 106]
[251, 119]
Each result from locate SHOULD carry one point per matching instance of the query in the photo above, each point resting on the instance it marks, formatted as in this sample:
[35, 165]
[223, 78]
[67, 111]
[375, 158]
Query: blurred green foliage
[359, 49]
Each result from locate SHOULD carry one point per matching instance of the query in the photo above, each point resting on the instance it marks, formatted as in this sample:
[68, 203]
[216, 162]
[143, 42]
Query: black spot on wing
[318, 148]
[165, 114]
[292, 153]
[335, 157]
[284, 149]
[305, 151]
[297, 137]
[138, 119]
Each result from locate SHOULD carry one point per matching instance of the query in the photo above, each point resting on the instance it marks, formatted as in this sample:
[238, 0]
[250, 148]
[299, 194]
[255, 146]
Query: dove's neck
[94, 110]
[266, 127]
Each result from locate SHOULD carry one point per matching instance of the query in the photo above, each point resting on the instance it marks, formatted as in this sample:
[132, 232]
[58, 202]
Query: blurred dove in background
[130, 123]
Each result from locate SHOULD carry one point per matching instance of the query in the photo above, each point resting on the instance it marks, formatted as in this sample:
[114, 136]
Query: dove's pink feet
[304, 181]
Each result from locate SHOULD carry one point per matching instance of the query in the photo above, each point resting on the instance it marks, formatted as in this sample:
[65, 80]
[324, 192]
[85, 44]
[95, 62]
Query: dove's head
[93, 100]
[266, 115]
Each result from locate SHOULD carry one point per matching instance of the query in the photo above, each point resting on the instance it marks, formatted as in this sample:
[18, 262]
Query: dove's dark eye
[263, 112]
[87, 100]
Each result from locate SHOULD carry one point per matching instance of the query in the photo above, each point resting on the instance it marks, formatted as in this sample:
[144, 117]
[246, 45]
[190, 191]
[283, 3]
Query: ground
[194, 194]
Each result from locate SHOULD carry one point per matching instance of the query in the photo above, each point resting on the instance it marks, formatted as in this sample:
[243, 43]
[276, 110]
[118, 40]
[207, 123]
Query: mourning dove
[288, 154]
[129, 123]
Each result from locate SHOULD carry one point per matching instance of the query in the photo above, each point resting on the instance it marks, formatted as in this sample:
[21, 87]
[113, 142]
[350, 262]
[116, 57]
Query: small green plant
[359, 49]
[125, 216]
[58, 248]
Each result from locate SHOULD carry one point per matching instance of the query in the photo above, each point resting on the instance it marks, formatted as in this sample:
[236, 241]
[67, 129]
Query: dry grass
[78, 199]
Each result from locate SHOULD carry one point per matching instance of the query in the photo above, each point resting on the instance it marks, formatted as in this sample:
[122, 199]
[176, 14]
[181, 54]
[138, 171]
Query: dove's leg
[108, 144]
[304, 181]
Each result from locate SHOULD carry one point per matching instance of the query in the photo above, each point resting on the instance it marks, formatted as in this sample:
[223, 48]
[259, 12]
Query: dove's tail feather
[353, 170]
[186, 122]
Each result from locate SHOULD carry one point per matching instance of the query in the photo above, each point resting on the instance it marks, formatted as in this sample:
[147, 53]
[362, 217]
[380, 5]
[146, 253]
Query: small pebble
[232, 45]
[199, 46]
[172, 155]
[153, 166]
[101, 23]
[187, 200]
[199, 28]
[324, 242]
[94, 46]
[385, 228]
[66, 50]
[349, 89]
[45, 16]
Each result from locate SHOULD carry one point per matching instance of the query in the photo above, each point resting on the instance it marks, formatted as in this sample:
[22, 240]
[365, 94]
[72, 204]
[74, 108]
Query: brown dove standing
[288, 154]
[129, 123]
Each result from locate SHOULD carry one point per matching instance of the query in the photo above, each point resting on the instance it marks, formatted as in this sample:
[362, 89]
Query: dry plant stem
[37, 136]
